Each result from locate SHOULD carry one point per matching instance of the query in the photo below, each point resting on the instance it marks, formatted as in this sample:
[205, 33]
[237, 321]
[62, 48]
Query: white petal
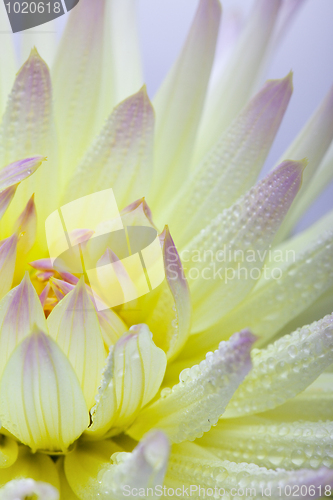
[284, 369]
[234, 89]
[191, 407]
[144, 468]
[179, 103]
[223, 262]
[233, 165]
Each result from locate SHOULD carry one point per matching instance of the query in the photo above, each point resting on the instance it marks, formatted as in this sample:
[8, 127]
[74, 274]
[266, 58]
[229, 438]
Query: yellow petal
[66, 492]
[41, 402]
[84, 466]
[8, 451]
[7, 264]
[132, 376]
[26, 224]
[74, 325]
[20, 310]
[31, 465]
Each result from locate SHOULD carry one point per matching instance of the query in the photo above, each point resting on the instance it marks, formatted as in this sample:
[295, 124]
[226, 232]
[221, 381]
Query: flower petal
[233, 90]
[126, 73]
[7, 264]
[26, 224]
[284, 369]
[41, 402]
[250, 224]
[180, 100]
[312, 142]
[313, 404]
[14, 173]
[272, 443]
[84, 467]
[191, 407]
[232, 166]
[8, 451]
[27, 128]
[295, 279]
[77, 77]
[170, 319]
[122, 155]
[192, 465]
[20, 310]
[111, 324]
[144, 468]
[66, 492]
[33, 466]
[21, 489]
[73, 324]
[132, 376]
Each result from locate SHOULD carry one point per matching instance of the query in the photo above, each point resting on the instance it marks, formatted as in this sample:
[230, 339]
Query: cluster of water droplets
[285, 368]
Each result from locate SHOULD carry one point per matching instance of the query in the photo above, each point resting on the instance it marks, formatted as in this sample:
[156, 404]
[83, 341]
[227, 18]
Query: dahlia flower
[183, 366]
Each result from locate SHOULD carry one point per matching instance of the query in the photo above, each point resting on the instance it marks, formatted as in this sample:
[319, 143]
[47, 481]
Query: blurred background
[307, 49]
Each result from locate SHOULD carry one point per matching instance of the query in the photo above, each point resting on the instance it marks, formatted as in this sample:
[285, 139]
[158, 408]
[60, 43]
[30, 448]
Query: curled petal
[284, 369]
[144, 468]
[191, 407]
[41, 401]
[20, 489]
[180, 100]
[219, 285]
[20, 310]
[171, 317]
[12, 175]
[132, 376]
[74, 325]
